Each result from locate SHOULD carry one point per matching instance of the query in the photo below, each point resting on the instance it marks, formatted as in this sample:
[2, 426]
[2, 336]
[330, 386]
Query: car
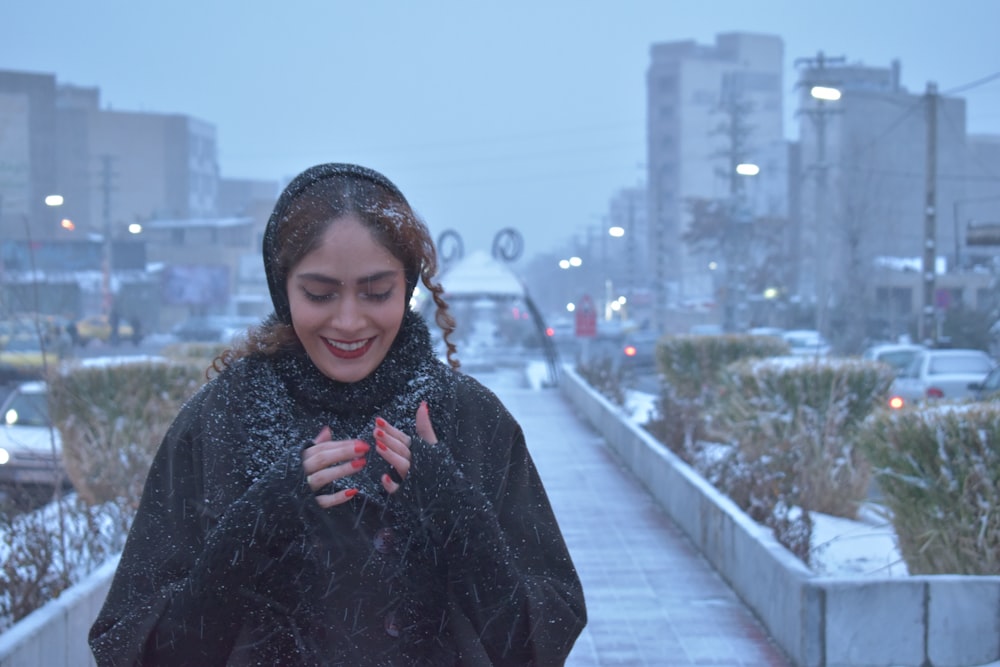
[936, 374]
[897, 355]
[22, 357]
[98, 327]
[30, 449]
[989, 388]
[639, 352]
[806, 343]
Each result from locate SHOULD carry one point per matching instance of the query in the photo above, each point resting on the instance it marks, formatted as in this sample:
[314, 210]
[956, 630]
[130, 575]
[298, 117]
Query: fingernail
[361, 447]
[386, 478]
[309, 480]
[380, 422]
[426, 407]
[358, 463]
[381, 445]
[379, 433]
[350, 493]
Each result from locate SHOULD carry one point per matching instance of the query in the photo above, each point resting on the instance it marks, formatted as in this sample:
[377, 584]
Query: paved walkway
[652, 599]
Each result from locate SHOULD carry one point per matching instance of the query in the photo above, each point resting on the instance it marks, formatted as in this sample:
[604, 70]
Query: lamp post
[822, 91]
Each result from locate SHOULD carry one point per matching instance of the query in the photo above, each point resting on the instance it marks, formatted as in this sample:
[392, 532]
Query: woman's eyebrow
[329, 280]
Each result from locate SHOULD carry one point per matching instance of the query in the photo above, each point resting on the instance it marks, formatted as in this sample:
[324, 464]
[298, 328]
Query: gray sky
[486, 114]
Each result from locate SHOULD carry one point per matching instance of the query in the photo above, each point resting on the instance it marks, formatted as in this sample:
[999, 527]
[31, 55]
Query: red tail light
[896, 402]
[549, 331]
[934, 392]
[630, 350]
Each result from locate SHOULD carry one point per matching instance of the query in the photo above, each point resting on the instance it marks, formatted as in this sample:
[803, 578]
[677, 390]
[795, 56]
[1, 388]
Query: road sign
[586, 318]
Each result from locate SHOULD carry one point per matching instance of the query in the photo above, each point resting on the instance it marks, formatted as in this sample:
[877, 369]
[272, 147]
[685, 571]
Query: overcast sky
[487, 114]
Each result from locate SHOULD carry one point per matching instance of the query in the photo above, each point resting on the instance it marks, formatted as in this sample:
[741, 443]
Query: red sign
[586, 318]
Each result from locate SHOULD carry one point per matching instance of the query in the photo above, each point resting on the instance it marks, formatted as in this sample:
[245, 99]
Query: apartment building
[709, 108]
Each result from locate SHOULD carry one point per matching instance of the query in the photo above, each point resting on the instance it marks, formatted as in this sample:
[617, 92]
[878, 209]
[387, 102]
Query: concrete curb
[943, 620]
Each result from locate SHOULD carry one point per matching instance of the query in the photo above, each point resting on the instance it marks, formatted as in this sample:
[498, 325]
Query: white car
[806, 342]
[940, 374]
[30, 450]
[897, 355]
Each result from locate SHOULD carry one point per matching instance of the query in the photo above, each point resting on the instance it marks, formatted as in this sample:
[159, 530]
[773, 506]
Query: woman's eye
[380, 296]
[318, 297]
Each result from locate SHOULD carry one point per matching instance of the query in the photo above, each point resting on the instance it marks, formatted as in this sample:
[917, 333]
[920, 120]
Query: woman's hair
[296, 228]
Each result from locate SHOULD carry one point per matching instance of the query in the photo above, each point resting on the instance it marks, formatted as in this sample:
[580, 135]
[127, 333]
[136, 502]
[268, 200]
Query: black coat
[230, 560]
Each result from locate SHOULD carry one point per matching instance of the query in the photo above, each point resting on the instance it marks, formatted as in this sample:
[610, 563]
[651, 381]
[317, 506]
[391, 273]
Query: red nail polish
[380, 422]
[379, 433]
[386, 478]
[358, 463]
[361, 447]
[350, 493]
[381, 445]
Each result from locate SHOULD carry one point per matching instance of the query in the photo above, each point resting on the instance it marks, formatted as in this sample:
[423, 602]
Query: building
[129, 182]
[865, 216]
[709, 108]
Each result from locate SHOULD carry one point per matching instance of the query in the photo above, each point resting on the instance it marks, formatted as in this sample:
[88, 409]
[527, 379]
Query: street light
[747, 169]
[616, 231]
[825, 93]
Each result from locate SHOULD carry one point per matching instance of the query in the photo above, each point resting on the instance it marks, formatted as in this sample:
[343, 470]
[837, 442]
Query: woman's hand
[329, 460]
[394, 446]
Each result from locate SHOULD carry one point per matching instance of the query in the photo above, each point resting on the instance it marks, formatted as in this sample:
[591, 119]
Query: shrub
[796, 419]
[939, 471]
[692, 368]
[789, 424]
[606, 377]
[112, 420]
[47, 551]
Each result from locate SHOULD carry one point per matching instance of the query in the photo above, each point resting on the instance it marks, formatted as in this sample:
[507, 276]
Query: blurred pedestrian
[337, 495]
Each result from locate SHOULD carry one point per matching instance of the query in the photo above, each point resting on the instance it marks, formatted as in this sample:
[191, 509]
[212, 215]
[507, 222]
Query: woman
[336, 495]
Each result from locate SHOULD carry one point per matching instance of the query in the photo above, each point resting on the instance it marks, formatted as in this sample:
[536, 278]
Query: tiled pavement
[652, 599]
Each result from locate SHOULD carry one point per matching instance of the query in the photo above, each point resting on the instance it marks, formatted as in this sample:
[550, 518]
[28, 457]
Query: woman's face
[347, 299]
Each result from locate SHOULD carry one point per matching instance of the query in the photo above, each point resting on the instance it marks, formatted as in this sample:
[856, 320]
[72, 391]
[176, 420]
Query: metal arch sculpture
[450, 247]
[508, 245]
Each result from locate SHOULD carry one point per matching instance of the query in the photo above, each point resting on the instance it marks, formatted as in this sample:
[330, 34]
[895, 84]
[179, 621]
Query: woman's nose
[347, 315]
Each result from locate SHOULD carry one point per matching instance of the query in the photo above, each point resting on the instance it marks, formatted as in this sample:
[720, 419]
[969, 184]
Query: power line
[974, 84]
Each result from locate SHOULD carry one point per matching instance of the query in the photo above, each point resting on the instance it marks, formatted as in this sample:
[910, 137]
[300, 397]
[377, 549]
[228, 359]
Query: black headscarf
[275, 276]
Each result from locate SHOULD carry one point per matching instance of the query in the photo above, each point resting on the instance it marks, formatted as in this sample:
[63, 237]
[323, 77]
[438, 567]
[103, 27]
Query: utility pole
[928, 329]
[106, 248]
[817, 76]
[736, 130]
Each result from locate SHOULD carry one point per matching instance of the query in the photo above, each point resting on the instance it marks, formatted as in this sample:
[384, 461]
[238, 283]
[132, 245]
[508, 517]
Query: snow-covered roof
[482, 276]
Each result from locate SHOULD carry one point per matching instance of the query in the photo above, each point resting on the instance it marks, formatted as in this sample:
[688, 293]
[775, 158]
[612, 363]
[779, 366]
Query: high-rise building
[709, 108]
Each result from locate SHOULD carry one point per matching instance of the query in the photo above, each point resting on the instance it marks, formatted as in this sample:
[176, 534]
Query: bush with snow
[939, 471]
[111, 420]
[787, 427]
[693, 368]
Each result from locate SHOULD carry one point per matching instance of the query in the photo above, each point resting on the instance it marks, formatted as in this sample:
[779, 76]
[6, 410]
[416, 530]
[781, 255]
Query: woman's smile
[353, 350]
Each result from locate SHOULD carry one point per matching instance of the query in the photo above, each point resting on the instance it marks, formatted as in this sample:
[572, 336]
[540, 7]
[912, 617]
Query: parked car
[22, 358]
[897, 355]
[98, 327]
[639, 352]
[806, 342]
[30, 450]
[936, 374]
[989, 388]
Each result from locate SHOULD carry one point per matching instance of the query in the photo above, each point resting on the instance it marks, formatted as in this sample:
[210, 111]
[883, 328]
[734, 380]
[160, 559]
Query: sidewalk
[651, 597]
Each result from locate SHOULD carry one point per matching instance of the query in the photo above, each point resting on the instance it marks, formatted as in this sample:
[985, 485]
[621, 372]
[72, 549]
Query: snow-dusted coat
[230, 559]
